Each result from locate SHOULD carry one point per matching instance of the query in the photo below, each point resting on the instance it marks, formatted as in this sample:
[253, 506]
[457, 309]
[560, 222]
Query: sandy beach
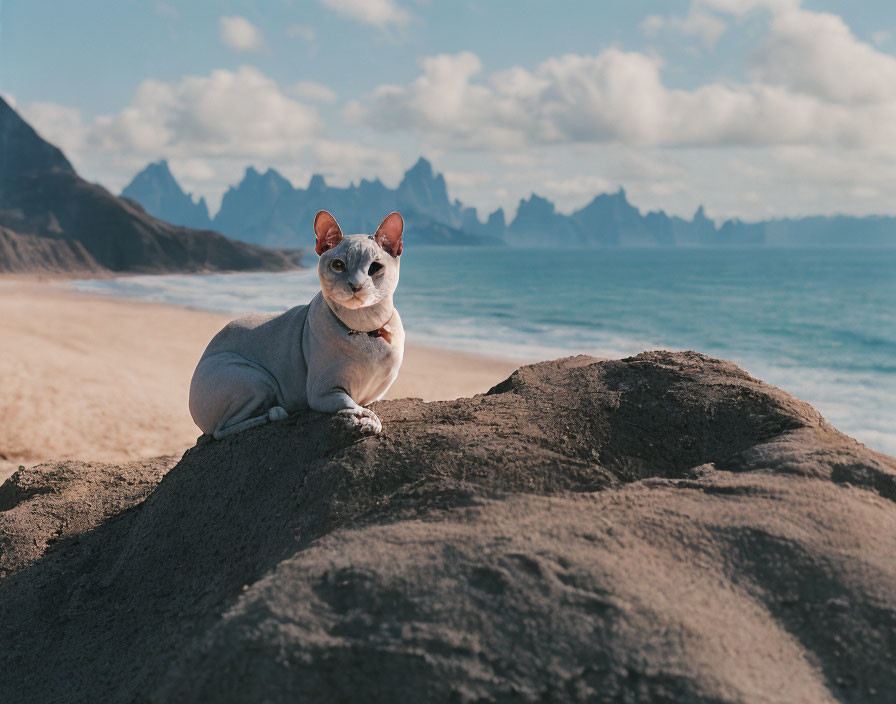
[100, 379]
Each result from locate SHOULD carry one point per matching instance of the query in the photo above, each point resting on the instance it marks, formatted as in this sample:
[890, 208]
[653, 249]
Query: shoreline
[472, 355]
[98, 378]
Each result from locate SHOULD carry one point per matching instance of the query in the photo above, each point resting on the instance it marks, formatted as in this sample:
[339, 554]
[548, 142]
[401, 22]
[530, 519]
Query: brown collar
[380, 332]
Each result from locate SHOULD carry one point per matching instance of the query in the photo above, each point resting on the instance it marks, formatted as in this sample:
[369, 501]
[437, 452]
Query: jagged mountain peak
[252, 178]
[422, 173]
[422, 167]
[160, 166]
[158, 191]
[425, 191]
[274, 176]
[158, 172]
[496, 219]
[536, 203]
[619, 196]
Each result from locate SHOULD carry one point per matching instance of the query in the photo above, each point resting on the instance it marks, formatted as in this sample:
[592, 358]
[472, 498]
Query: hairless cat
[336, 354]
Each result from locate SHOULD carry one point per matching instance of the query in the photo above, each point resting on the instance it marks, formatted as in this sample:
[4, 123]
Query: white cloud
[240, 34]
[61, 125]
[211, 126]
[843, 171]
[634, 165]
[302, 31]
[747, 170]
[344, 161]
[192, 170]
[445, 104]
[353, 113]
[317, 92]
[233, 113]
[379, 13]
[517, 160]
[813, 128]
[467, 179]
[838, 91]
[578, 187]
[817, 54]
[813, 53]
[699, 23]
[704, 19]
[741, 8]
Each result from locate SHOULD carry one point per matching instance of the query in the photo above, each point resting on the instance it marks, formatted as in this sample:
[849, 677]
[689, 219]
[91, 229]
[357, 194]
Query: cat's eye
[337, 265]
[374, 268]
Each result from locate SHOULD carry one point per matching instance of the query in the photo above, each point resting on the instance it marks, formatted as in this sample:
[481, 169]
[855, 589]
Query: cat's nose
[356, 288]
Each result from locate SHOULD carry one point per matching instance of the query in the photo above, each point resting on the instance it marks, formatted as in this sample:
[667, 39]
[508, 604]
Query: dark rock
[660, 528]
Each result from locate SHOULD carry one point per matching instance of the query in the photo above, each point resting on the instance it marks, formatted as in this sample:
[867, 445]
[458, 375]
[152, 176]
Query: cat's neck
[363, 319]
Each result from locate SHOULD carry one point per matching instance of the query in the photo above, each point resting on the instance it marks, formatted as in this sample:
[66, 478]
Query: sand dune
[94, 378]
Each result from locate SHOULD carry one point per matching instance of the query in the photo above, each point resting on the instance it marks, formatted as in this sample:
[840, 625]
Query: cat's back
[262, 338]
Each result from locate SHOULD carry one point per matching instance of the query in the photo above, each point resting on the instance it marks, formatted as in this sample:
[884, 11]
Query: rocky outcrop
[27, 253]
[41, 196]
[659, 528]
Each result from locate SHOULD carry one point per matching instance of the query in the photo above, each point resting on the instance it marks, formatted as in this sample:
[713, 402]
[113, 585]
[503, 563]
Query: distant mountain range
[53, 220]
[265, 208]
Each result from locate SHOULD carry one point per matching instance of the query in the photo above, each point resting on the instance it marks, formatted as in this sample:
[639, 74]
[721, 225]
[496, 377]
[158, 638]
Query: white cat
[335, 354]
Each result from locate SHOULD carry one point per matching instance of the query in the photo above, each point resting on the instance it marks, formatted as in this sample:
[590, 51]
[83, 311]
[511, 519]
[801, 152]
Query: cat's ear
[388, 234]
[327, 232]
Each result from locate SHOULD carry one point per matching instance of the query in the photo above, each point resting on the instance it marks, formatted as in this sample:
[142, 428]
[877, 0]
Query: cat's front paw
[361, 420]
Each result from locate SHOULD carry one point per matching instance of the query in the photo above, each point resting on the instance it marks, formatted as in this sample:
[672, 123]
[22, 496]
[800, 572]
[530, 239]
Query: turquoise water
[818, 323]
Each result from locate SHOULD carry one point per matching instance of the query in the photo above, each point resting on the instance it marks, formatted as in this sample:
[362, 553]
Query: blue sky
[755, 108]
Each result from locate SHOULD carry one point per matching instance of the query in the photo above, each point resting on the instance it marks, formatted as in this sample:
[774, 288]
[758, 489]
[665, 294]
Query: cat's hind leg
[230, 394]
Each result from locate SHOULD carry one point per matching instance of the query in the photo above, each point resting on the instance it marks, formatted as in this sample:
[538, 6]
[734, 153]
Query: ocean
[819, 323]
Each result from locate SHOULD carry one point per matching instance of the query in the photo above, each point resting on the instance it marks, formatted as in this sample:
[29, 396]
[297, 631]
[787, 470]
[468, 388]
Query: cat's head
[357, 271]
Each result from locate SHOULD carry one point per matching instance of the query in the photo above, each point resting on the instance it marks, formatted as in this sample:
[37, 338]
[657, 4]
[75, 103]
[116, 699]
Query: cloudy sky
[755, 108]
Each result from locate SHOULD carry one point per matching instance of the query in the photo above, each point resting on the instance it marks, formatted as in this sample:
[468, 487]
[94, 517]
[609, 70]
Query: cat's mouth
[358, 299]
